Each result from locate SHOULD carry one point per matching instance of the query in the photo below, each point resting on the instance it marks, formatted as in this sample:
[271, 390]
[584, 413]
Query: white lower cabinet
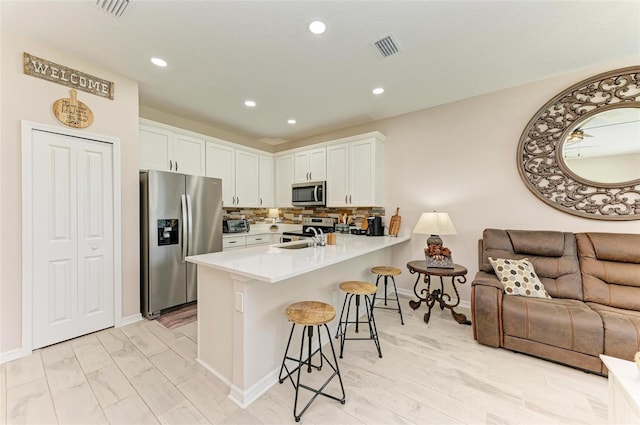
[232, 242]
[245, 241]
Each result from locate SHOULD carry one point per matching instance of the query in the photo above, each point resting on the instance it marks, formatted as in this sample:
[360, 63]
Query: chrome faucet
[317, 239]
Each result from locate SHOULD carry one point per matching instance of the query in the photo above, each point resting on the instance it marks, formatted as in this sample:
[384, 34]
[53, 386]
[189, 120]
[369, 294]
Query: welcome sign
[50, 71]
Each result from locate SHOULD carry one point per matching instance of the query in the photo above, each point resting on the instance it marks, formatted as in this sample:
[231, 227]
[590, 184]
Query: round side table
[431, 297]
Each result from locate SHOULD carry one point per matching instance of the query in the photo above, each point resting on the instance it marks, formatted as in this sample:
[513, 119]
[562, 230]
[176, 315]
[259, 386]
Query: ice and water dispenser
[168, 231]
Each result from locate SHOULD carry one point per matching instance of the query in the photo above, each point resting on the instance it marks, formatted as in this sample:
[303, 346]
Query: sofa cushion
[518, 277]
[553, 255]
[621, 331]
[610, 265]
[564, 323]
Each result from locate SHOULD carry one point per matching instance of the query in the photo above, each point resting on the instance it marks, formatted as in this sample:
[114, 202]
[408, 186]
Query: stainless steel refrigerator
[180, 215]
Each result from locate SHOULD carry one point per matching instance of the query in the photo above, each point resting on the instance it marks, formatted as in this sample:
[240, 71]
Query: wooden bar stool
[388, 272]
[310, 314]
[357, 288]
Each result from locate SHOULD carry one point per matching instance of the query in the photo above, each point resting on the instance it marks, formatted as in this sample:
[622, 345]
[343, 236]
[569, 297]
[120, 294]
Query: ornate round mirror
[604, 148]
[580, 153]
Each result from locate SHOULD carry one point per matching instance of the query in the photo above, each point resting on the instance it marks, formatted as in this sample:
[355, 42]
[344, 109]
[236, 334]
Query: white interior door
[73, 237]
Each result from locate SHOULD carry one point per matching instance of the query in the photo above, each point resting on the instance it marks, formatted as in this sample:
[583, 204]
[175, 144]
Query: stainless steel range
[324, 224]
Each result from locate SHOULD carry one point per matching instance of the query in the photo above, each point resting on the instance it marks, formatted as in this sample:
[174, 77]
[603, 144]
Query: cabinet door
[284, 180]
[266, 181]
[188, 155]
[247, 179]
[338, 175]
[220, 163]
[310, 165]
[301, 167]
[155, 149]
[365, 173]
[234, 242]
[318, 164]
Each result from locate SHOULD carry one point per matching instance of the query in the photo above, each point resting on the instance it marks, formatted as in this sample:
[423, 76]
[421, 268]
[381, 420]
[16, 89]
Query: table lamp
[436, 224]
[274, 213]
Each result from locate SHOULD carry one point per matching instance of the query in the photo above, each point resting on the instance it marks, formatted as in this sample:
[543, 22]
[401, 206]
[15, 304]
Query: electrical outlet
[240, 302]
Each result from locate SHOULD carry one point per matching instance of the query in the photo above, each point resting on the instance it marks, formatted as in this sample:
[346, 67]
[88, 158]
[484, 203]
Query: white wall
[461, 158]
[23, 97]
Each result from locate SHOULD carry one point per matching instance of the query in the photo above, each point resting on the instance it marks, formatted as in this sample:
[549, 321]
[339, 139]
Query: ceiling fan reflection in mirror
[577, 135]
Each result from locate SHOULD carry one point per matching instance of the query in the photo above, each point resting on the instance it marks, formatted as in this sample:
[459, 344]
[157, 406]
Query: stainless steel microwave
[309, 194]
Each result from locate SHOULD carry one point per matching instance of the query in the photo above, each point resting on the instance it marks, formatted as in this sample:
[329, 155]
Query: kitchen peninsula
[242, 296]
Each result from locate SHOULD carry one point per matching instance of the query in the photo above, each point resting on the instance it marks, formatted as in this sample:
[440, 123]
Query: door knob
[94, 247]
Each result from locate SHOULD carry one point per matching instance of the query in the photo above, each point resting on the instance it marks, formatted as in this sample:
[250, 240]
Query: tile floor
[430, 374]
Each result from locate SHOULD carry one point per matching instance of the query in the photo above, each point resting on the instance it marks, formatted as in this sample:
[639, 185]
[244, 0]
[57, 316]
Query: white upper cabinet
[240, 172]
[352, 166]
[189, 155]
[283, 180]
[247, 179]
[354, 172]
[266, 181]
[310, 165]
[337, 188]
[163, 149]
[156, 148]
[220, 160]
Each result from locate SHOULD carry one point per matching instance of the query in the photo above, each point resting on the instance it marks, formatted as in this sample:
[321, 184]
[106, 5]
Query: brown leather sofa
[594, 283]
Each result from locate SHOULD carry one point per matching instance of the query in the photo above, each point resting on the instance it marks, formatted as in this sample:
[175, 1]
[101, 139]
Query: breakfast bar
[242, 295]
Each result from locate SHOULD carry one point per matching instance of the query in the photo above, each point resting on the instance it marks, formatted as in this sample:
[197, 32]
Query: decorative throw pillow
[518, 277]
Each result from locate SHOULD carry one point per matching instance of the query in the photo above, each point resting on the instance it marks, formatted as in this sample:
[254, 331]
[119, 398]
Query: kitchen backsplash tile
[294, 215]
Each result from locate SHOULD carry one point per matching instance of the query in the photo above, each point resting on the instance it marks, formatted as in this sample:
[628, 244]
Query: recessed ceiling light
[377, 90]
[317, 27]
[159, 62]
[291, 121]
[250, 103]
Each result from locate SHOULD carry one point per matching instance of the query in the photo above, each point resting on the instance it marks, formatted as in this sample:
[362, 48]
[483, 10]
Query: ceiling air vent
[114, 7]
[387, 46]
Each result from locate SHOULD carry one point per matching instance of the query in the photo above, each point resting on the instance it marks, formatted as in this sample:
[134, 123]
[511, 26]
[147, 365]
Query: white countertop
[271, 264]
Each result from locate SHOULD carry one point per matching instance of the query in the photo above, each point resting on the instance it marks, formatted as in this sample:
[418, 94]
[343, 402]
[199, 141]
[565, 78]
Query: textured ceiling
[223, 52]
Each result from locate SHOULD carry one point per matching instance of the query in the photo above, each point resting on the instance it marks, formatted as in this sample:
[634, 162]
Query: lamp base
[434, 240]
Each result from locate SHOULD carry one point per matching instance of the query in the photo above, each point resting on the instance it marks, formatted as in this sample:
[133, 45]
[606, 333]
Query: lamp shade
[274, 213]
[435, 223]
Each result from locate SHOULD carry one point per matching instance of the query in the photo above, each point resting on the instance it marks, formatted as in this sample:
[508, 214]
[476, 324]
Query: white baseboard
[18, 353]
[243, 398]
[129, 320]
[7, 356]
[214, 373]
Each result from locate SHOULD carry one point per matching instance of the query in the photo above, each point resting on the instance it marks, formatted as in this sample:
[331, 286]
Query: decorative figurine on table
[438, 256]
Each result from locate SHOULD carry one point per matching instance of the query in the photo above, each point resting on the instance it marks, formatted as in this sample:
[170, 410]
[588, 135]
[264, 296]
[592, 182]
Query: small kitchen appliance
[232, 225]
[376, 226]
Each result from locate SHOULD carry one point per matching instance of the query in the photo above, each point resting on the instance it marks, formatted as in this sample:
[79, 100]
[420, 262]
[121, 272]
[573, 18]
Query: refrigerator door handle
[185, 231]
[189, 225]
